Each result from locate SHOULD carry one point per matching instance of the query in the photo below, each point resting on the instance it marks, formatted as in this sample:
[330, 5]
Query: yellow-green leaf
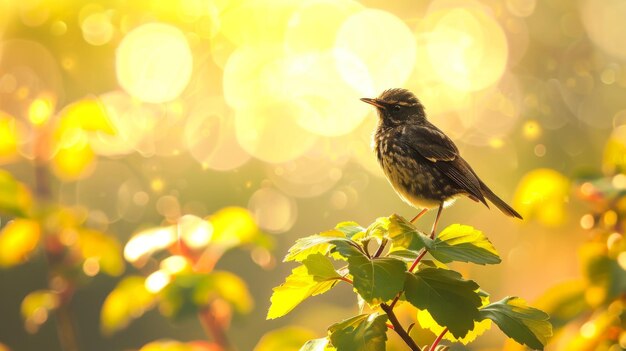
[128, 300]
[18, 239]
[284, 339]
[15, 198]
[36, 308]
[298, 286]
[524, 324]
[319, 243]
[227, 286]
[365, 332]
[103, 249]
[88, 114]
[464, 243]
[322, 344]
[233, 226]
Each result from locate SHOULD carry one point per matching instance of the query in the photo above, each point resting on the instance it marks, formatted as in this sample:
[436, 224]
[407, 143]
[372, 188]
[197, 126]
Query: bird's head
[397, 107]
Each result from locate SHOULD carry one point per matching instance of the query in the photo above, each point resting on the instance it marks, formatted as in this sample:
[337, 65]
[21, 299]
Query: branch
[381, 248]
[214, 329]
[397, 327]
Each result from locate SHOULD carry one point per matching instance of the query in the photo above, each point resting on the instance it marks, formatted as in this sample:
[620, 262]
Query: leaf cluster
[451, 303]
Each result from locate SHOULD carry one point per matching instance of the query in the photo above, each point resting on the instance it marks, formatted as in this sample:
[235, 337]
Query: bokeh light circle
[383, 42]
[273, 211]
[604, 22]
[467, 47]
[154, 62]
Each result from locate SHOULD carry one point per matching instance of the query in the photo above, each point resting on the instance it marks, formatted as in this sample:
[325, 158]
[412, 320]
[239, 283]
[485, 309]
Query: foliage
[589, 313]
[446, 301]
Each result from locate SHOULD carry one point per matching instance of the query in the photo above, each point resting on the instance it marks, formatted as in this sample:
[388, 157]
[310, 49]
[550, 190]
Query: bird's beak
[374, 102]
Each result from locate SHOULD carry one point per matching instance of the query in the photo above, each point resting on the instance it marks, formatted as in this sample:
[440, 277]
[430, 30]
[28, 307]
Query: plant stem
[439, 338]
[345, 280]
[397, 327]
[212, 327]
[381, 248]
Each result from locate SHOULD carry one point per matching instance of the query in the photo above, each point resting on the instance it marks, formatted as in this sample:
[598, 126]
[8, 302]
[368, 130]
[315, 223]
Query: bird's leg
[419, 215]
[432, 233]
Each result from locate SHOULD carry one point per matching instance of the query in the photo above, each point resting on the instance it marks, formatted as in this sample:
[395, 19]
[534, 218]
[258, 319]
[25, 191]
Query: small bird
[422, 163]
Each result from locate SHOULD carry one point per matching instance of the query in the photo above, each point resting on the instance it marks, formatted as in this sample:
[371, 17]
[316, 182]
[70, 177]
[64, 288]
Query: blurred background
[127, 121]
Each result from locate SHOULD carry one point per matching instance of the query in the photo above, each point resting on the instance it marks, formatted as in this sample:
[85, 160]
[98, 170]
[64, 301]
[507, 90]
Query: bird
[421, 162]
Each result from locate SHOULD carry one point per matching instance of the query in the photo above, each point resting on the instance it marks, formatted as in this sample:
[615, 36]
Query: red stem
[439, 338]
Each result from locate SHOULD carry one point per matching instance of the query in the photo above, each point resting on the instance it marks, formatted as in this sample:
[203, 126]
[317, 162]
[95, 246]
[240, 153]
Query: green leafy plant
[385, 265]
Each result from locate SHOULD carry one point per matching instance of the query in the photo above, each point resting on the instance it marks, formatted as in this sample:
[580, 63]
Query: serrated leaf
[298, 286]
[318, 243]
[526, 325]
[127, 301]
[377, 279]
[321, 344]
[349, 229]
[405, 236]
[378, 229]
[425, 320]
[366, 332]
[15, 198]
[450, 299]
[464, 243]
[320, 268]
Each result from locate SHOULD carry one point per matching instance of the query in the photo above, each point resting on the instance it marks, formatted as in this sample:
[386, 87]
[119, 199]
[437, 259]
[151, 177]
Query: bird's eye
[396, 107]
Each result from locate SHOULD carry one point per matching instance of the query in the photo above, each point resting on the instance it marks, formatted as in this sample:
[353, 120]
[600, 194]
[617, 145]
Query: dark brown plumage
[422, 164]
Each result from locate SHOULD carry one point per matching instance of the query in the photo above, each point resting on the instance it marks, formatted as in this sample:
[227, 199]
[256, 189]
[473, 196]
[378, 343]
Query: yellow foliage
[542, 194]
[233, 226]
[88, 114]
[73, 161]
[104, 249]
[614, 158]
[284, 339]
[36, 306]
[15, 198]
[129, 300]
[8, 138]
[17, 240]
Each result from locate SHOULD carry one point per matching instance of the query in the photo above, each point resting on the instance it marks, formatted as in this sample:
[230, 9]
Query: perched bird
[422, 164]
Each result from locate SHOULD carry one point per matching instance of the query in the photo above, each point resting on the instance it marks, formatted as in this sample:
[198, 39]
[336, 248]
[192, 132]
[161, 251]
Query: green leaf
[15, 198]
[464, 243]
[128, 300]
[350, 229]
[224, 285]
[405, 236]
[300, 285]
[526, 325]
[365, 332]
[322, 344]
[284, 339]
[318, 243]
[378, 279]
[450, 299]
[320, 268]
[378, 229]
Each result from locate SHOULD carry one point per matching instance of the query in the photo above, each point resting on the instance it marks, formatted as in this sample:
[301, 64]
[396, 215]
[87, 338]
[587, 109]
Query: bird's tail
[500, 204]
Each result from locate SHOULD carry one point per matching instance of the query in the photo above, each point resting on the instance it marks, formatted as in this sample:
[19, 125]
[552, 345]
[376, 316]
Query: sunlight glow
[154, 62]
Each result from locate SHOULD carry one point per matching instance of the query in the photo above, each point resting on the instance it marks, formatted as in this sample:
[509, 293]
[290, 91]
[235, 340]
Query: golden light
[147, 242]
[603, 20]
[531, 130]
[273, 211]
[174, 264]
[40, 110]
[74, 158]
[156, 281]
[467, 48]
[154, 62]
[194, 231]
[587, 222]
[8, 138]
[542, 194]
[91, 266]
[370, 35]
[97, 28]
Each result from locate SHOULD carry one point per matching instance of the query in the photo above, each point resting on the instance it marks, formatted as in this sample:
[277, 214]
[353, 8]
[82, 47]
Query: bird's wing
[435, 146]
